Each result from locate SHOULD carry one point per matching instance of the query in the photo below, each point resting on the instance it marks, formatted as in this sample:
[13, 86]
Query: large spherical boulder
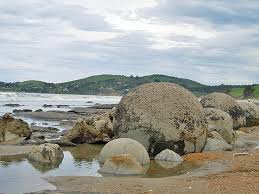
[47, 153]
[124, 146]
[162, 116]
[228, 104]
[251, 113]
[12, 128]
[221, 122]
[123, 164]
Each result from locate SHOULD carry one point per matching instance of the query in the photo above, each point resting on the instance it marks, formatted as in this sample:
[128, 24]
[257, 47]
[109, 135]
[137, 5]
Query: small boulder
[85, 133]
[169, 155]
[47, 153]
[251, 113]
[221, 122]
[11, 128]
[125, 146]
[216, 145]
[123, 164]
[228, 104]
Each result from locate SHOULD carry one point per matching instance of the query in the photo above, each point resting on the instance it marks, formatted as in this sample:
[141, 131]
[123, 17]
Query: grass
[236, 92]
[256, 92]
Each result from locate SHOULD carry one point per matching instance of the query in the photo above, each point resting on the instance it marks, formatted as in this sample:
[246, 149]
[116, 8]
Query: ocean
[35, 101]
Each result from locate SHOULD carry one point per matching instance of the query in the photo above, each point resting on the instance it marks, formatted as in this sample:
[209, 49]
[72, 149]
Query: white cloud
[208, 41]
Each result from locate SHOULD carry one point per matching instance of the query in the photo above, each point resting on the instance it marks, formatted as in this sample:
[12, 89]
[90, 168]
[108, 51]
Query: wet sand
[9, 150]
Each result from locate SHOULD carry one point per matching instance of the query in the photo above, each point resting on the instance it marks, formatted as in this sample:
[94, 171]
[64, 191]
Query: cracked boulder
[13, 129]
[162, 116]
[83, 132]
[47, 153]
[221, 122]
[228, 104]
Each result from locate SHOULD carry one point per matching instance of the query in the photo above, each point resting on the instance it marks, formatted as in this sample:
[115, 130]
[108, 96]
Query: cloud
[212, 42]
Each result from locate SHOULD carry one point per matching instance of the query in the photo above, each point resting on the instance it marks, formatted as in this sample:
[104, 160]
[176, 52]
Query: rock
[103, 123]
[169, 155]
[84, 133]
[89, 102]
[21, 110]
[123, 164]
[13, 105]
[35, 128]
[124, 146]
[47, 106]
[62, 106]
[251, 111]
[221, 122]
[216, 145]
[162, 116]
[38, 110]
[47, 153]
[62, 143]
[228, 104]
[13, 127]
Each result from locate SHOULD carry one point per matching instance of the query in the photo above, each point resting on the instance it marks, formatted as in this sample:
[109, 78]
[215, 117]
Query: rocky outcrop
[123, 164]
[169, 155]
[228, 104]
[221, 122]
[162, 116]
[93, 129]
[251, 111]
[47, 153]
[11, 128]
[124, 146]
[85, 133]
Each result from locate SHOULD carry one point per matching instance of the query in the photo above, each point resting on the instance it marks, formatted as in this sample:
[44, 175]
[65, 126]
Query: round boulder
[124, 146]
[124, 164]
[162, 116]
[228, 104]
[251, 113]
[169, 155]
[221, 122]
[47, 153]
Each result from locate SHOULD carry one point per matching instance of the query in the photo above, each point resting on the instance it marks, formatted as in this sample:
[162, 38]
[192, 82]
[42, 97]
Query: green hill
[119, 85]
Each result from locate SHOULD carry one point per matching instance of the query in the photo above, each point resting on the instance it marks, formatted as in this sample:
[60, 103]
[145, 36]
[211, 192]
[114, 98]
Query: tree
[248, 91]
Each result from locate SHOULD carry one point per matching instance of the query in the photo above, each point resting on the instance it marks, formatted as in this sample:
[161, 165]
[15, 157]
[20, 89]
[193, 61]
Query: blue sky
[212, 42]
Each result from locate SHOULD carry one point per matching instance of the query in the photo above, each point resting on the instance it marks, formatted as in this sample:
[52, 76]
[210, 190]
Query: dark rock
[21, 110]
[38, 110]
[13, 105]
[47, 106]
[104, 106]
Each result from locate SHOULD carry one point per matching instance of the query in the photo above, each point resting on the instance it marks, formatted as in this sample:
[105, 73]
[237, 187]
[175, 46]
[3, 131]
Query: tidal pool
[18, 175]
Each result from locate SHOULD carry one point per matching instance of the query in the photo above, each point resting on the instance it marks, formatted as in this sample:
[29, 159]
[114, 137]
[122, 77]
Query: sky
[212, 42]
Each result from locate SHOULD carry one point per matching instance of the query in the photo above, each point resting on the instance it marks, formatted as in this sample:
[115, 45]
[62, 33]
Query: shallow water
[18, 175]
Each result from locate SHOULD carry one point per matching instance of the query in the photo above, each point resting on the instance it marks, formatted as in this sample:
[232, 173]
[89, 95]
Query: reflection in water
[159, 169]
[43, 167]
[6, 161]
[78, 161]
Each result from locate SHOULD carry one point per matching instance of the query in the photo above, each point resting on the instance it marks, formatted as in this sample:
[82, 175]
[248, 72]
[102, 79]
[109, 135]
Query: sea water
[35, 101]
